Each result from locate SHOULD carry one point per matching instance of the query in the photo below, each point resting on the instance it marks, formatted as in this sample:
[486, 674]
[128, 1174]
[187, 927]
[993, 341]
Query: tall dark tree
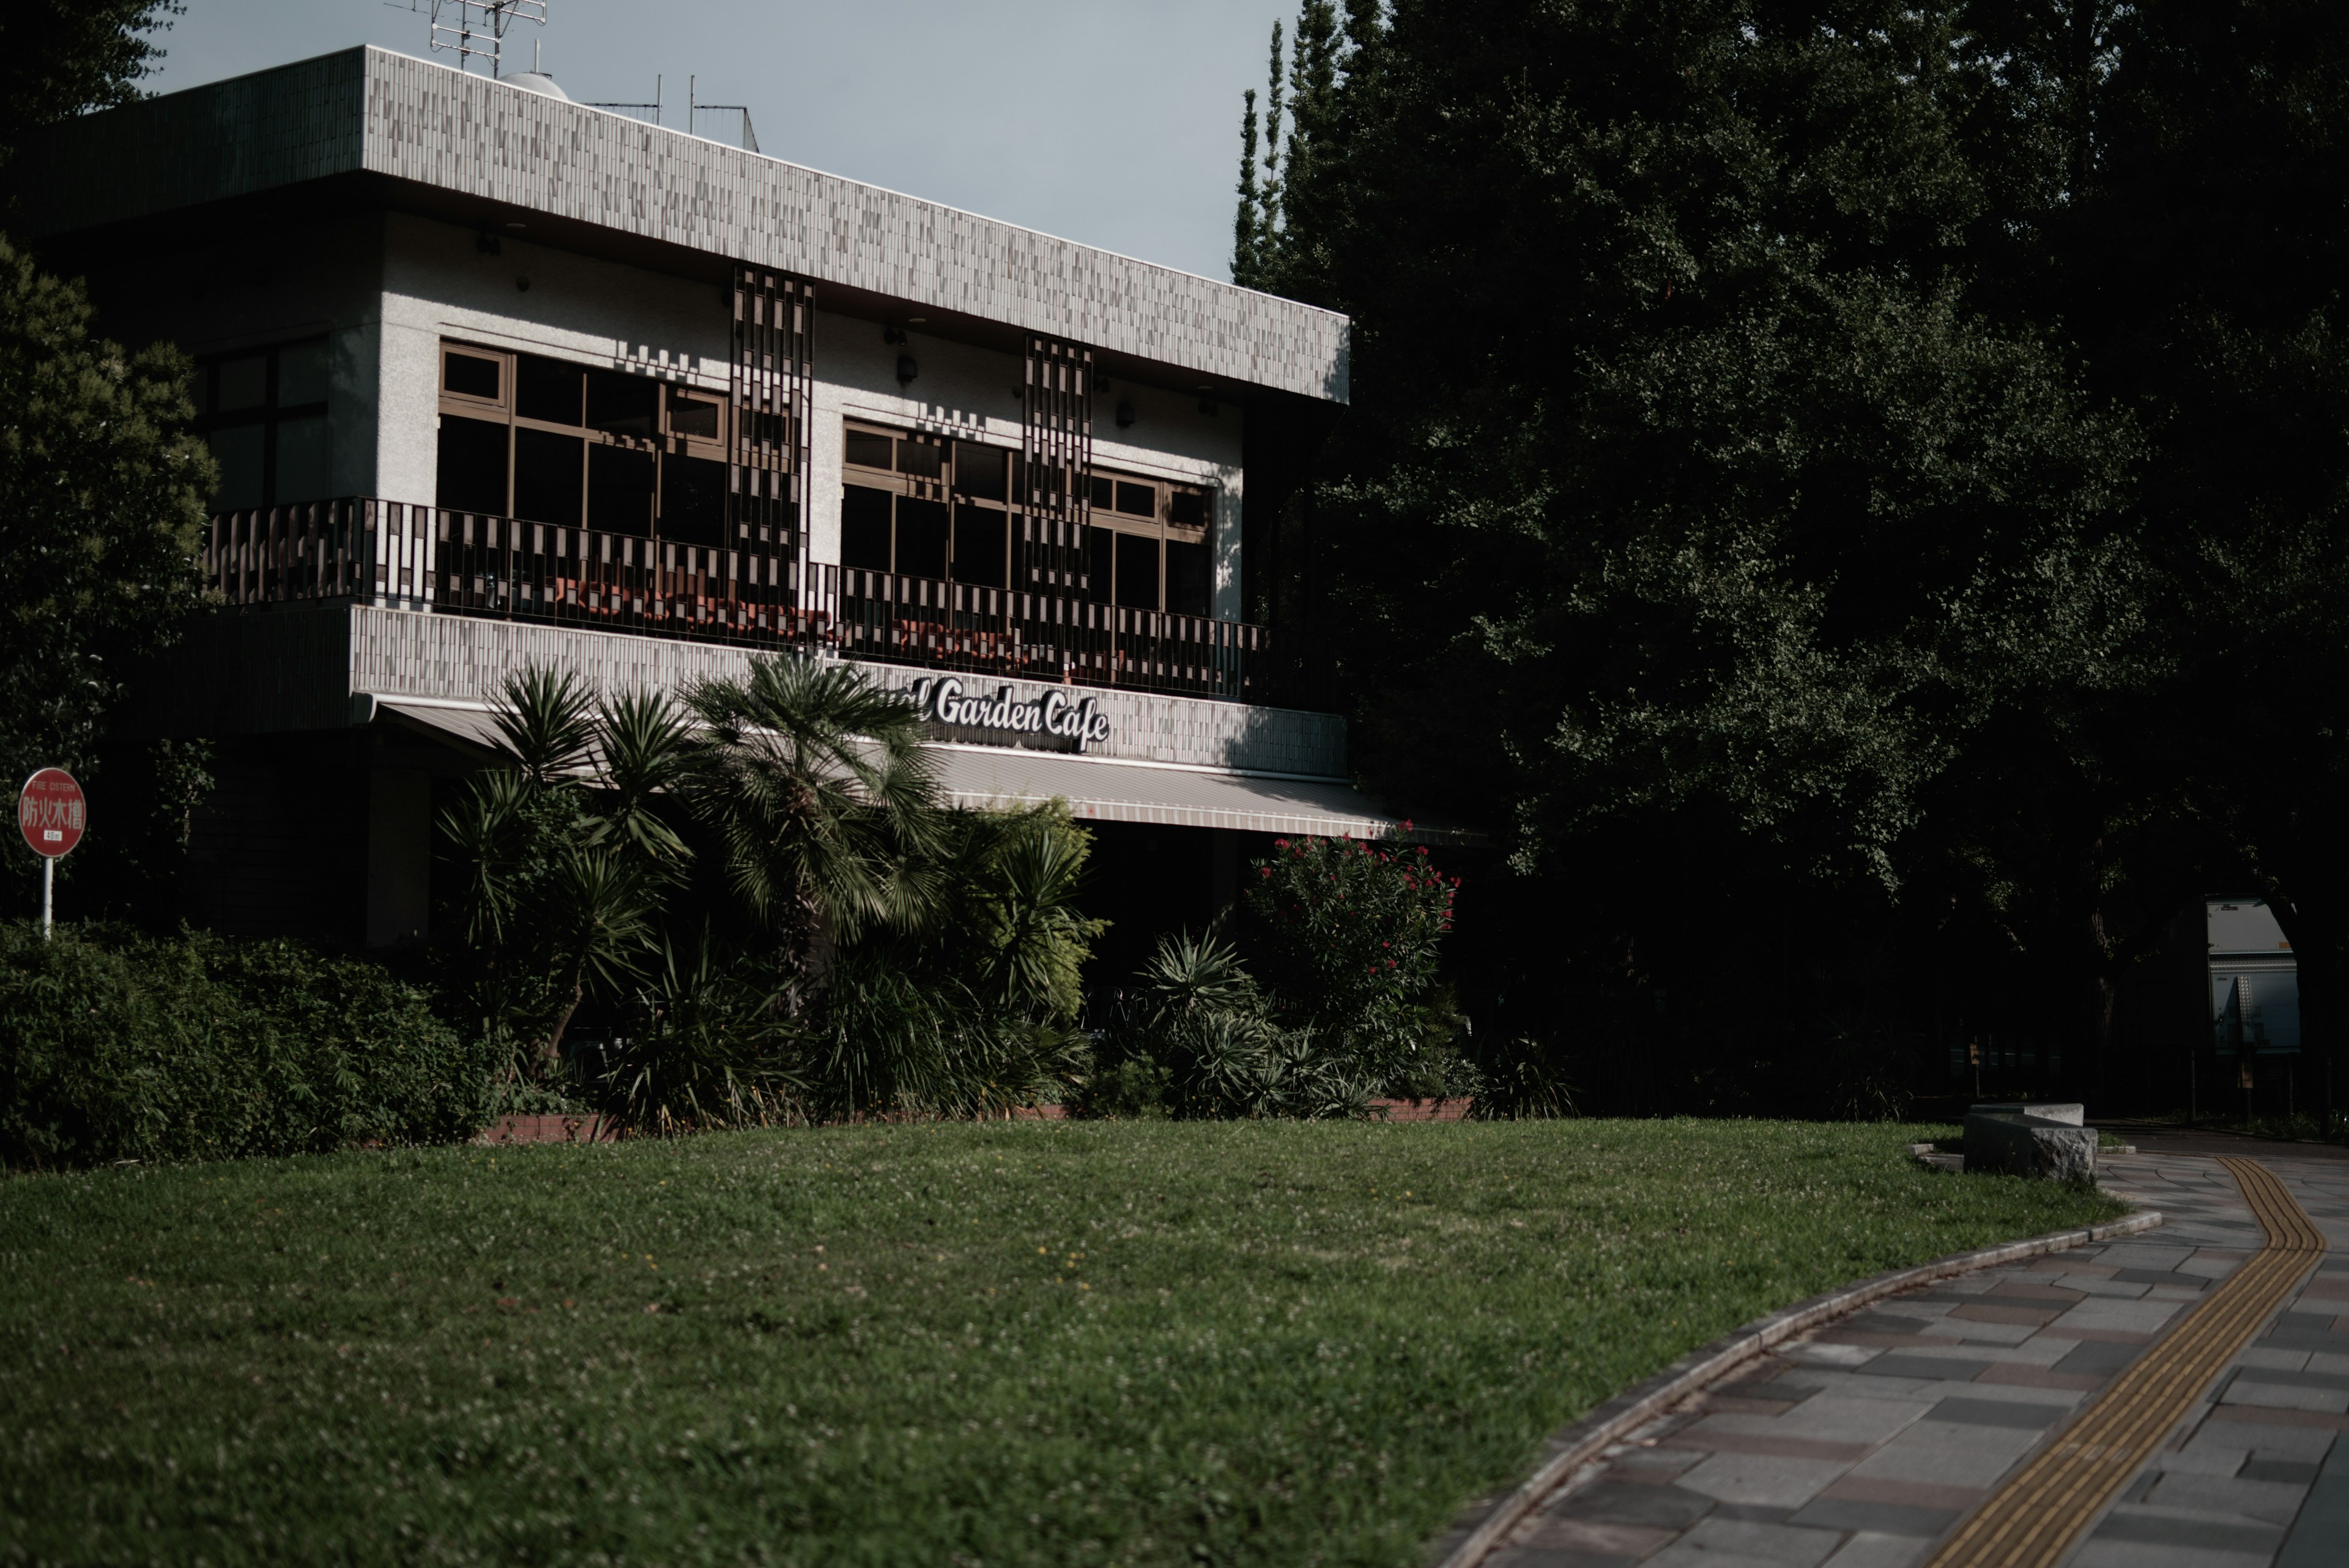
[102, 492]
[1690, 488]
[60, 57]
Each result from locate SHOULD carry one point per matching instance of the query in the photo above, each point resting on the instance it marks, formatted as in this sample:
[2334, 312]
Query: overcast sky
[1114, 122]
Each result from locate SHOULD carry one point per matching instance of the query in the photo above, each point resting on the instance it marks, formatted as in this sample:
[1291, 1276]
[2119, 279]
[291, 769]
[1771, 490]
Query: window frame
[945, 489]
[664, 443]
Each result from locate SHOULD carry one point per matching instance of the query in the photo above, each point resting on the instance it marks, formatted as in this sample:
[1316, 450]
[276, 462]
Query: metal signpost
[51, 815]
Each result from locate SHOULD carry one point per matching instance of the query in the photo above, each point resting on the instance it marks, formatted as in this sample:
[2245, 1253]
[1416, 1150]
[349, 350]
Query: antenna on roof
[693, 109]
[474, 29]
[630, 107]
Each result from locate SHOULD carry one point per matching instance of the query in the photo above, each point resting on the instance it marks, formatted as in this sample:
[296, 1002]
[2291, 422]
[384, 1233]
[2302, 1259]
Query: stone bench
[2031, 1139]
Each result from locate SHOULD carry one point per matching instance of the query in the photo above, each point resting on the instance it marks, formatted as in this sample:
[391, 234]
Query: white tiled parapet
[368, 110]
[249, 673]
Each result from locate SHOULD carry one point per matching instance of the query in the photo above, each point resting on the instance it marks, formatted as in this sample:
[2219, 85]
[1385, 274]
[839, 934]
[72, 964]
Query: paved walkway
[1865, 1444]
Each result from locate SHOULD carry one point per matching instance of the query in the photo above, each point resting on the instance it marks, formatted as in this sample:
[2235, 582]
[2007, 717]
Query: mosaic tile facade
[412, 119]
[313, 669]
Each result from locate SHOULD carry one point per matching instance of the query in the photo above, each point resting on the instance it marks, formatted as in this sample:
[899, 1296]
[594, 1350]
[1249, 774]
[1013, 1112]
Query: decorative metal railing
[462, 563]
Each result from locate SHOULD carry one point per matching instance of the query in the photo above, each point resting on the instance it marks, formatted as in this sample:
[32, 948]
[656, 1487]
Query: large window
[1149, 545]
[264, 414]
[549, 441]
[930, 506]
[927, 506]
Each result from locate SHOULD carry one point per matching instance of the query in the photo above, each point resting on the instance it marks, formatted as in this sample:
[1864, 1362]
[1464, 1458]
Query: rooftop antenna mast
[694, 109]
[472, 29]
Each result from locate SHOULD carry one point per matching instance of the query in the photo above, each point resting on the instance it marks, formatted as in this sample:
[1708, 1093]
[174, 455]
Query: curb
[1479, 1527]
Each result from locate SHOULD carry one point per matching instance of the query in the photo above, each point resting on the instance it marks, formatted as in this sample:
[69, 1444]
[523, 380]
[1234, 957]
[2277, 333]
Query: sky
[1112, 123]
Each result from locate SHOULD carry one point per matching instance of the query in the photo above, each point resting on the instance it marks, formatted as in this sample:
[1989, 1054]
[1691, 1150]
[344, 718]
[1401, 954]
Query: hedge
[116, 1046]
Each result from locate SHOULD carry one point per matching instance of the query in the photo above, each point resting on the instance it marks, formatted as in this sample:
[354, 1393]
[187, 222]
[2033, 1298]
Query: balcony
[402, 556]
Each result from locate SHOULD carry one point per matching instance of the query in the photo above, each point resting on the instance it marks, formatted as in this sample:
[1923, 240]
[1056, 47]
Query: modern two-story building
[496, 378]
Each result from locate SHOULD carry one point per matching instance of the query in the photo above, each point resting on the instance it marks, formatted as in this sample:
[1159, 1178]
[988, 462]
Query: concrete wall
[459, 136]
[310, 668]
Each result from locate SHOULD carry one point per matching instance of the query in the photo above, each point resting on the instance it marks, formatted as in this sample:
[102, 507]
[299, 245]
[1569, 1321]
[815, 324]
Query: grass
[942, 1344]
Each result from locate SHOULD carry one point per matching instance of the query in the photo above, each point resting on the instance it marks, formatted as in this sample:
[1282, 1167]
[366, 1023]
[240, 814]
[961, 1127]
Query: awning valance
[1097, 789]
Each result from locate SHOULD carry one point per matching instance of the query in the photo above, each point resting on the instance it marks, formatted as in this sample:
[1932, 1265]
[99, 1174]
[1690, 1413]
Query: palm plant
[811, 779]
[561, 856]
[706, 1047]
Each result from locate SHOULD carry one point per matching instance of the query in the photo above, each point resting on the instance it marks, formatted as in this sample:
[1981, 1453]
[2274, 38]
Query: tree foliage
[1347, 935]
[102, 492]
[1879, 461]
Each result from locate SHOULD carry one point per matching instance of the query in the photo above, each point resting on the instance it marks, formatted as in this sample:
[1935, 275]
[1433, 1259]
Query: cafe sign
[1072, 720]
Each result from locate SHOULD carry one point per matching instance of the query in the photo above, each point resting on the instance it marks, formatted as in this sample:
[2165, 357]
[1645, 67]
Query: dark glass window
[470, 375]
[473, 466]
[978, 539]
[693, 500]
[1187, 579]
[1187, 509]
[1137, 500]
[1101, 563]
[242, 453]
[548, 390]
[264, 416]
[302, 471]
[869, 451]
[621, 403]
[921, 537]
[692, 415]
[1104, 491]
[244, 384]
[1137, 571]
[864, 528]
[978, 470]
[550, 470]
[619, 489]
[920, 460]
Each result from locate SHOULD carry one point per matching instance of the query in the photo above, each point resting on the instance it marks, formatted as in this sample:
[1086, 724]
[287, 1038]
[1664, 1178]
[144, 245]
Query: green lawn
[995, 1344]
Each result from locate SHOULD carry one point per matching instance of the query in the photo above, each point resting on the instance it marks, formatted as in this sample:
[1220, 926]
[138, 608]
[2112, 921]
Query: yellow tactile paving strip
[2036, 1518]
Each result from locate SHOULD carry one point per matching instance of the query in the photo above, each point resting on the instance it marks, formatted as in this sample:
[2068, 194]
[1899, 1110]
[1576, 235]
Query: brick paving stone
[1737, 1543]
[1857, 1445]
[1869, 1550]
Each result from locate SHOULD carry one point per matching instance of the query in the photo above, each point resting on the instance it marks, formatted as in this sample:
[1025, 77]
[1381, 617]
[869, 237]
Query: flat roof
[372, 112]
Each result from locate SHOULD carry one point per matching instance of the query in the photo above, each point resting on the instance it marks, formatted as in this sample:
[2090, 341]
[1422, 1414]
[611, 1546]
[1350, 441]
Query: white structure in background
[2254, 980]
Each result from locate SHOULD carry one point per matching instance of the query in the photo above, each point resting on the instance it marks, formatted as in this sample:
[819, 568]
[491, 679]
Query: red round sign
[50, 812]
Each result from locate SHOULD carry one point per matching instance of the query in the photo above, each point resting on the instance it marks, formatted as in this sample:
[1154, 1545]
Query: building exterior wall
[368, 110]
[439, 284]
[316, 669]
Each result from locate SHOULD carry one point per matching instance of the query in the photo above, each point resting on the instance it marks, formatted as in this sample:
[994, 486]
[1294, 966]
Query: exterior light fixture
[906, 370]
[892, 333]
[1125, 415]
[486, 242]
[1208, 406]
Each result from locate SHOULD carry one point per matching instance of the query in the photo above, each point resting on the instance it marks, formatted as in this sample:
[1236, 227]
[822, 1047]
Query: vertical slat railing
[464, 563]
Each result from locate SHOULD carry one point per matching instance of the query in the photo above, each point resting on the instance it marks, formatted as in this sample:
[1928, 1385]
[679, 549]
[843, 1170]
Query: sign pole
[52, 815]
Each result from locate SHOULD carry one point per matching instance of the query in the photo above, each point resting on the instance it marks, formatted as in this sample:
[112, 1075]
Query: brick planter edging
[1480, 1526]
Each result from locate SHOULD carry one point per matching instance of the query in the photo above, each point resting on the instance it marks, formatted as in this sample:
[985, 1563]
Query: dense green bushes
[116, 1046]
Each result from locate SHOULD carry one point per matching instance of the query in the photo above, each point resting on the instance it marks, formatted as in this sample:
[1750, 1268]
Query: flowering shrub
[1346, 933]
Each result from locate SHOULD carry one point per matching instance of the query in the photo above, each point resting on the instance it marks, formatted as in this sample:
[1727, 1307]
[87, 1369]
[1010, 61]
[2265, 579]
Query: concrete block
[2011, 1141]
